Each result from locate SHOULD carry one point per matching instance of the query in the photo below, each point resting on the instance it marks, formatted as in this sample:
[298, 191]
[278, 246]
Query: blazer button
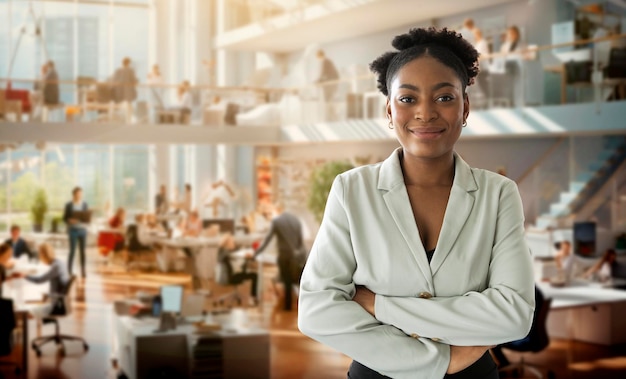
[436, 339]
[425, 295]
[414, 335]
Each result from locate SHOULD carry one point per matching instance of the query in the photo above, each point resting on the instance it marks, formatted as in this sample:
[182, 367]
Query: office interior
[237, 111]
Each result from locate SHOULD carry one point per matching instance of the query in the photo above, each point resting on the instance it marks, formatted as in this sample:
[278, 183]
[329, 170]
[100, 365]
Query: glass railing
[242, 13]
[533, 76]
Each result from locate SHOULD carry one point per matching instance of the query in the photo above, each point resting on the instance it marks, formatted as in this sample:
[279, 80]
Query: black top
[429, 255]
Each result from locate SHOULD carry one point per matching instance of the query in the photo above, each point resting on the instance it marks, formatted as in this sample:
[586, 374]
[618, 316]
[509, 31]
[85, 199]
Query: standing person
[18, 244]
[420, 263]
[468, 31]
[124, 82]
[482, 47]
[328, 72]
[51, 85]
[187, 200]
[288, 231]
[161, 203]
[76, 230]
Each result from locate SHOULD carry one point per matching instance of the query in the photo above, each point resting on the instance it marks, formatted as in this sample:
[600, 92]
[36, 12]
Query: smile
[426, 133]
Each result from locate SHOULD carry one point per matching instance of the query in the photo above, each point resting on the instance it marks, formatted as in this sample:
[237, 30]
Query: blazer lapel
[397, 201]
[458, 210]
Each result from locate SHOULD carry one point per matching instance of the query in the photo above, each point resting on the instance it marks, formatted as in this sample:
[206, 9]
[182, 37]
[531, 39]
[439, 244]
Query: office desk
[233, 352]
[22, 293]
[588, 313]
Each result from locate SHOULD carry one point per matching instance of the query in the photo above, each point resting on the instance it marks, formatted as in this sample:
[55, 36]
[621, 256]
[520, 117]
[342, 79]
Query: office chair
[536, 341]
[7, 325]
[226, 276]
[136, 251]
[58, 338]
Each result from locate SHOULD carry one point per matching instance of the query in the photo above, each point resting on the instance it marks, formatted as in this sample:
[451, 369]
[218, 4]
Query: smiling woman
[420, 263]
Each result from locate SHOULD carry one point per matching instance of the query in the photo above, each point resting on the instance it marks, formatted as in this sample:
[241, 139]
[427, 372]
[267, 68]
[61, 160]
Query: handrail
[539, 161]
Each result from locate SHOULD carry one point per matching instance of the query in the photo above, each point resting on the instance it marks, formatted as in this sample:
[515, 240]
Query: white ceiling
[337, 20]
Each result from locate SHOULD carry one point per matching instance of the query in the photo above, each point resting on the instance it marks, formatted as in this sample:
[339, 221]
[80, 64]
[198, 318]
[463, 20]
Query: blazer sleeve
[327, 313]
[268, 238]
[501, 313]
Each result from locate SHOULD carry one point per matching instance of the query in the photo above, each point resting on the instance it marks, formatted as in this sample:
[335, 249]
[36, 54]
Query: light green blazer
[477, 290]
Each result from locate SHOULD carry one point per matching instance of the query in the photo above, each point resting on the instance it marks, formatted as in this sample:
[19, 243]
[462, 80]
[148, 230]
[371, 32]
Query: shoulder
[361, 175]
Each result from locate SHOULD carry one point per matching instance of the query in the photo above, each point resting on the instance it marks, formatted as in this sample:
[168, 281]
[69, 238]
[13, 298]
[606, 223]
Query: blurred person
[468, 31]
[6, 262]
[187, 200]
[193, 225]
[51, 85]
[226, 248]
[482, 47]
[18, 244]
[563, 255]
[327, 72]
[58, 278]
[161, 202]
[76, 230]
[287, 229]
[118, 222]
[506, 68]
[124, 82]
[602, 270]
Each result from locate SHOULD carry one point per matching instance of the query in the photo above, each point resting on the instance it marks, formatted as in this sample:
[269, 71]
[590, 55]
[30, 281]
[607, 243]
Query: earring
[390, 126]
[464, 123]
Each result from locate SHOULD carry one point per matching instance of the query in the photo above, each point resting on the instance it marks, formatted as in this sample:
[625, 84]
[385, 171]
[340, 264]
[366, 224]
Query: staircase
[589, 187]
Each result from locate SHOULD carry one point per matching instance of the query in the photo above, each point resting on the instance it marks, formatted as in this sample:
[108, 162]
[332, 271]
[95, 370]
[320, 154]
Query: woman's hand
[366, 299]
[461, 357]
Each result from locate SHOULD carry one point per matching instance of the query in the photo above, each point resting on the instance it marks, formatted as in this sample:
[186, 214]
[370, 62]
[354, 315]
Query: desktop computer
[167, 306]
[585, 239]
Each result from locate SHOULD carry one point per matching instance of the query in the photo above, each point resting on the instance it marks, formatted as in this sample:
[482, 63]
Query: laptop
[82, 216]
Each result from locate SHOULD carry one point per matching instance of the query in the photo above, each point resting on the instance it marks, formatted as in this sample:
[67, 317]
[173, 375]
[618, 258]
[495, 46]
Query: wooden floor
[292, 354]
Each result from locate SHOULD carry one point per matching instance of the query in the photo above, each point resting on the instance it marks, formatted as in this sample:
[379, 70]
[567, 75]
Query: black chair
[62, 308]
[226, 276]
[138, 253]
[536, 341]
[7, 326]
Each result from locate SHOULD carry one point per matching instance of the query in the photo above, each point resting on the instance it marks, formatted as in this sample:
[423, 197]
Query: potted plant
[38, 209]
[321, 181]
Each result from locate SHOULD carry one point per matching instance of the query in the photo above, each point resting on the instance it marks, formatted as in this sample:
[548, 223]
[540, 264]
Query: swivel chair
[227, 276]
[7, 326]
[536, 341]
[59, 311]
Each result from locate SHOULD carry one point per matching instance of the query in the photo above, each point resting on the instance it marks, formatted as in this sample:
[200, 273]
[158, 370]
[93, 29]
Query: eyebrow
[435, 87]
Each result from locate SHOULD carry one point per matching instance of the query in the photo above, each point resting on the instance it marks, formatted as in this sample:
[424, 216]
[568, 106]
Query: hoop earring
[464, 124]
[390, 125]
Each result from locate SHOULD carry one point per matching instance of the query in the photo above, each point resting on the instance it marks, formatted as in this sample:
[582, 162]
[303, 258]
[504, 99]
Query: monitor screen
[585, 239]
[171, 298]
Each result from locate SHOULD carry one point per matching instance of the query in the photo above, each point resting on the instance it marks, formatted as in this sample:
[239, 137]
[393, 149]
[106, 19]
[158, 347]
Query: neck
[428, 172]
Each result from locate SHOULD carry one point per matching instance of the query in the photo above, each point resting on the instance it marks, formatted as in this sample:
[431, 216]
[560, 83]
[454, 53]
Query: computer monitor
[171, 298]
[585, 239]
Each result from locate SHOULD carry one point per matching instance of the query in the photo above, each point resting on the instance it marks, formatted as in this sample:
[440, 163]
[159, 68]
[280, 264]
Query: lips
[426, 133]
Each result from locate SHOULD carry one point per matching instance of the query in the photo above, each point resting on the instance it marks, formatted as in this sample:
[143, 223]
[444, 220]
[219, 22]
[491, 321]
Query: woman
[58, 278]
[76, 230]
[227, 247]
[117, 222]
[420, 263]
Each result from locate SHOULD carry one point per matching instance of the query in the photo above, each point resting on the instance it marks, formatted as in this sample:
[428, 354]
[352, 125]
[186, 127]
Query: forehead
[424, 70]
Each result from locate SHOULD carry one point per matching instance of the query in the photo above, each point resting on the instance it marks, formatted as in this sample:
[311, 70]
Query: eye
[444, 99]
[406, 99]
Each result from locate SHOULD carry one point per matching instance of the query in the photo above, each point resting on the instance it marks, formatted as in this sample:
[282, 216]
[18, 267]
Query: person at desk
[117, 222]
[18, 244]
[288, 230]
[58, 277]
[226, 248]
[6, 263]
[76, 230]
[602, 270]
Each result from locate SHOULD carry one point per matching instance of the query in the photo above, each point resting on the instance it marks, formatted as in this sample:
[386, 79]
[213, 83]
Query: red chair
[22, 95]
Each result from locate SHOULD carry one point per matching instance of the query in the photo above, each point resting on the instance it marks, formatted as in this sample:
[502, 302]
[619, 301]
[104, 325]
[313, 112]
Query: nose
[425, 111]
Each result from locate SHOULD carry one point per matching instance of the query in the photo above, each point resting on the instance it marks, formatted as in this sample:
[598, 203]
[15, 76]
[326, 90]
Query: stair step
[605, 154]
[567, 197]
[559, 209]
[545, 221]
[596, 166]
[584, 176]
[577, 186]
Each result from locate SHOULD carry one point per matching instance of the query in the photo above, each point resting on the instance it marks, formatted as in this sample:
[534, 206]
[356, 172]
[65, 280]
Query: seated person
[497, 351]
[117, 222]
[226, 248]
[18, 244]
[193, 225]
[152, 225]
[137, 235]
[58, 278]
[6, 263]
[565, 261]
[603, 269]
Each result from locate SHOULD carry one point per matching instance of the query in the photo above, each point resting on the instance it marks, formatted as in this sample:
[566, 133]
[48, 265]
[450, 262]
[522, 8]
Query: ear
[466, 106]
[388, 109]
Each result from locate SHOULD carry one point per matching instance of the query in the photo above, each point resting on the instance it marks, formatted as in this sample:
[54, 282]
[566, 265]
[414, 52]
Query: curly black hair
[445, 45]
